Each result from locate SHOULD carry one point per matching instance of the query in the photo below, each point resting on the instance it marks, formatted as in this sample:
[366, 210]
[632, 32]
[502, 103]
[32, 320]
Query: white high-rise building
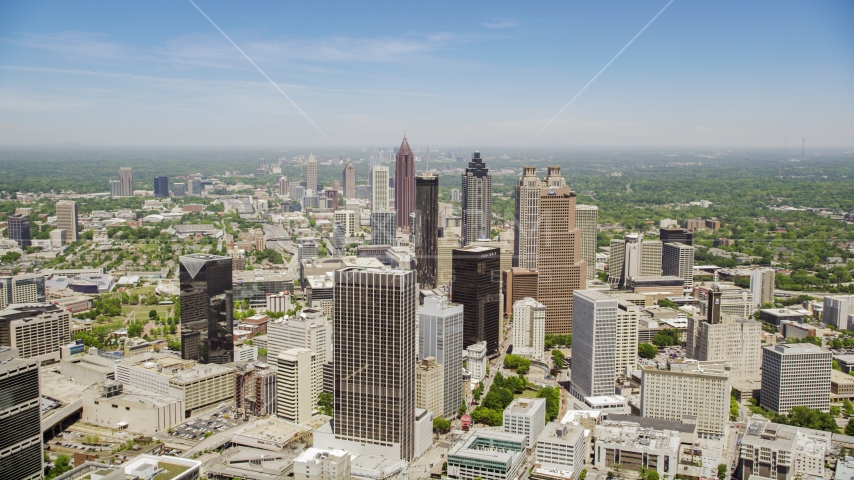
[677, 259]
[838, 311]
[529, 328]
[795, 375]
[594, 344]
[295, 384]
[379, 189]
[587, 220]
[626, 353]
[440, 335]
[733, 300]
[736, 341]
[476, 361]
[527, 218]
[762, 286]
[698, 389]
[310, 329]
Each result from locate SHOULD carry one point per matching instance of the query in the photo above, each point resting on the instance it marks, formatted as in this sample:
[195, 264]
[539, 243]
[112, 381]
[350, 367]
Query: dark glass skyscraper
[676, 235]
[20, 417]
[161, 186]
[19, 229]
[427, 229]
[476, 285]
[206, 308]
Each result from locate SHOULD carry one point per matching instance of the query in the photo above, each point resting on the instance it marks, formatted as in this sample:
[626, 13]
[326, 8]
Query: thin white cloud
[72, 43]
[501, 23]
[207, 50]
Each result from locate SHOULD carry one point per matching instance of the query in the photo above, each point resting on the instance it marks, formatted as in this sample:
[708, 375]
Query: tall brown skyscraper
[349, 175]
[375, 349]
[560, 268]
[404, 183]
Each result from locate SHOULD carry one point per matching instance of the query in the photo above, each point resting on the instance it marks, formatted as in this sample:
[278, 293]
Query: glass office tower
[206, 308]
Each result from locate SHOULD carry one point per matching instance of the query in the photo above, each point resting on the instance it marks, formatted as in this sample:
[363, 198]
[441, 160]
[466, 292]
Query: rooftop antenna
[803, 146]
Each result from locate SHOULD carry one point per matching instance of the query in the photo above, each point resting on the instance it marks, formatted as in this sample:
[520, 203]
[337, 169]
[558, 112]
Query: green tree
[152, 314]
[849, 429]
[262, 352]
[558, 358]
[61, 465]
[134, 330]
[324, 400]
[848, 407]
[462, 410]
[583, 474]
[441, 425]
[722, 471]
[552, 396]
[646, 350]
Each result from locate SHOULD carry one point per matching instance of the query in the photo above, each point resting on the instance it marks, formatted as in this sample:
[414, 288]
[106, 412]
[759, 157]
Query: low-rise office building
[634, 447]
[197, 385]
[113, 405]
[89, 369]
[488, 455]
[526, 416]
[782, 452]
[795, 375]
[321, 464]
[560, 452]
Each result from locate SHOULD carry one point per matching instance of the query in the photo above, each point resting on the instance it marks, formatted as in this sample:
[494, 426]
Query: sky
[158, 73]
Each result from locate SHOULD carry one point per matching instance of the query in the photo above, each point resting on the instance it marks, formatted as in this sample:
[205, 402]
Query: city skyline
[692, 78]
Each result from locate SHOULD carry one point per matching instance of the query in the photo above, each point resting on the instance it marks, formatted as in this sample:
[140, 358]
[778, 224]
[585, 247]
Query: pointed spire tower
[404, 183]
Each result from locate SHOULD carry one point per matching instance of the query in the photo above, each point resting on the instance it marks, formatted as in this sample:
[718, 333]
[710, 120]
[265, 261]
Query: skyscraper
[379, 188]
[427, 229]
[676, 235]
[374, 338]
[404, 183]
[529, 328]
[126, 182]
[587, 220]
[677, 259]
[283, 186]
[296, 384]
[795, 375]
[66, 218]
[115, 188]
[161, 186]
[476, 285]
[440, 335]
[594, 344]
[179, 189]
[383, 229]
[477, 201]
[311, 173]
[651, 258]
[20, 411]
[18, 229]
[349, 175]
[633, 256]
[527, 221]
[761, 285]
[559, 265]
[206, 308]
